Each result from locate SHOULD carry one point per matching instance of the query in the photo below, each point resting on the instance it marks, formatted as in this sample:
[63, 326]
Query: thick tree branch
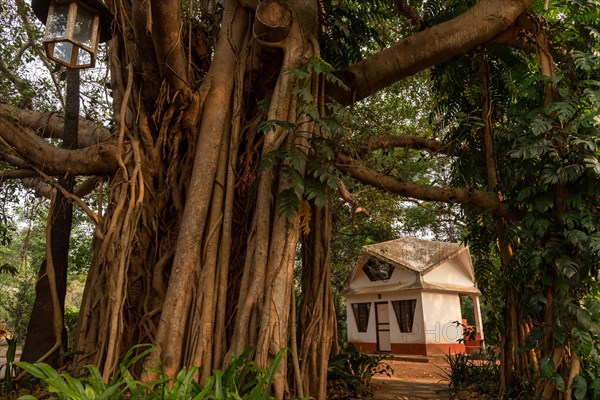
[451, 195]
[12, 159]
[6, 175]
[52, 125]
[406, 141]
[478, 25]
[167, 30]
[99, 159]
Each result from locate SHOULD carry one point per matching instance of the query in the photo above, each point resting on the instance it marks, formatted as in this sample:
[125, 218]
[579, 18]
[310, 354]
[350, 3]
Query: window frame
[356, 310]
[377, 270]
[409, 311]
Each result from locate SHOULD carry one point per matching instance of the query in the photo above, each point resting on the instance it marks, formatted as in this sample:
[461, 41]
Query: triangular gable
[412, 254]
[418, 255]
[441, 259]
[468, 265]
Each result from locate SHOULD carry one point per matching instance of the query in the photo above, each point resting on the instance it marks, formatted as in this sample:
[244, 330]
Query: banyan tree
[219, 166]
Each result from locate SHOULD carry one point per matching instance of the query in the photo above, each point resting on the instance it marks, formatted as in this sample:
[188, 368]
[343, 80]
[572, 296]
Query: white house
[405, 297]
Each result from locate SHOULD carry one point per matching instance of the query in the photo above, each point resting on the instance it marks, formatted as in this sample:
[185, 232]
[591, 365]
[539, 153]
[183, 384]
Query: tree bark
[455, 195]
[317, 314]
[40, 339]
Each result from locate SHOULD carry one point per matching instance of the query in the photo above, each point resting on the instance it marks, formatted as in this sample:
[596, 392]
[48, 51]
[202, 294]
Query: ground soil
[412, 379]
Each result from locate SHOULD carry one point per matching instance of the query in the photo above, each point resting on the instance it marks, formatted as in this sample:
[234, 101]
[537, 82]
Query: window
[377, 270]
[361, 314]
[405, 313]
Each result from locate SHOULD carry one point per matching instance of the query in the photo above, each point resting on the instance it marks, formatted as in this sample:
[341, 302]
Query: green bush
[16, 303]
[240, 380]
[70, 321]
[477, 371]
[8, 370]
[349, 373]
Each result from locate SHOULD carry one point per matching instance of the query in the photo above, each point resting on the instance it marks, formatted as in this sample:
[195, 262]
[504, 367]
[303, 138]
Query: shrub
[7, 371]
[350, 372]
[16, 304]
[70, 321]
[240, 380]
[478, 371]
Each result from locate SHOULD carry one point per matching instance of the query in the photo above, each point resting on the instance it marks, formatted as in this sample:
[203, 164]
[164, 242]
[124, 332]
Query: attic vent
[377, 270]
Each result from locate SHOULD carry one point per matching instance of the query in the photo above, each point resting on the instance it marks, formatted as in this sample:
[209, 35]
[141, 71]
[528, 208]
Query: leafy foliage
[476, 371]
[352, 28]
[547, 156]
[350, 372]
[8, 370]
[241, 380]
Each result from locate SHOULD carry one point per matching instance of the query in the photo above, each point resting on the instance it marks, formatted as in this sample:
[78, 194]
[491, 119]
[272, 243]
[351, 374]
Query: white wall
[417, 335]
[399, 275]
[440, 311]
[370, 336]
[449, 273]
[353, 334]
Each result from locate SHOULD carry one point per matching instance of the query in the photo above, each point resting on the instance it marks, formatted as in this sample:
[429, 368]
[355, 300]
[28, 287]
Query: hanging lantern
[73, 30]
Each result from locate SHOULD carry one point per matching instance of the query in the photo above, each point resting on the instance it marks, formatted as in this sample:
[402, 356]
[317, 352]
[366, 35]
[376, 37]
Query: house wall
[402, 342]
[361, 280]
[440, 311]
[366, 341]
[453, 273]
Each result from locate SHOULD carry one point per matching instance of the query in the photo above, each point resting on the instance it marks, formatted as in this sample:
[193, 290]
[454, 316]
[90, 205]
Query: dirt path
[413, 380]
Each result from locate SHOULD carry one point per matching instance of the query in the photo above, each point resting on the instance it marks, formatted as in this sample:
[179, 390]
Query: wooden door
[382, 319]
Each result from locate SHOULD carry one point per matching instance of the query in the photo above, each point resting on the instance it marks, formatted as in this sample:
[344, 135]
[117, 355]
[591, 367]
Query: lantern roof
[40, 9]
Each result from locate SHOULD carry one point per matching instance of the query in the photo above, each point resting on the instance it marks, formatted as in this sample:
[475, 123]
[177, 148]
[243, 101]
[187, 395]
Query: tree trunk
[317, 313]
[41, 340]
[170, 265]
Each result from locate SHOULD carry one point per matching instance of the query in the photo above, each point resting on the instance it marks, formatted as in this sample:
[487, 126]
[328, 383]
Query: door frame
[377, 330]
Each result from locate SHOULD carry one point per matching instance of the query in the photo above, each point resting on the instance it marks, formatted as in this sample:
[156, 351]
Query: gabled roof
[417, 255]
[417, 285]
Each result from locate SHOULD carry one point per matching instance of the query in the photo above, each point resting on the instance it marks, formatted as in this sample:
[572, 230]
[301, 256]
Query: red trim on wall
[418, 349]
[437, 349]
[413, 349]
[367, 347]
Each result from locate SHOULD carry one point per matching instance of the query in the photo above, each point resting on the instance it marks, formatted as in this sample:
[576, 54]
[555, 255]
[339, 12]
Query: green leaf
[577, 237]
[264, 105]
[567, 266]
[564, 109]
[298, 73]
[595, 388]
[579, 387]
[287, 204]
[559, 382]
[269, 126]
[525, 193]
[546, 368]
[582, 341]
[541, 124]
[584, 318]
[559, 335]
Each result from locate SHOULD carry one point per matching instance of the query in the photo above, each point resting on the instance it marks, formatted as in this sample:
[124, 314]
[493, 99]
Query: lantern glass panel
[58, 21]
[84, 57]
[63, 51]
[83, 31]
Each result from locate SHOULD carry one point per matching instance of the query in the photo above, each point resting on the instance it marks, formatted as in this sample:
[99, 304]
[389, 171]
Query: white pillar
[477, 312]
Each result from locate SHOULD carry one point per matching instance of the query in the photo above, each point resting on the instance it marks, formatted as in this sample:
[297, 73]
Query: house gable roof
[418, 256]
[414, 254]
